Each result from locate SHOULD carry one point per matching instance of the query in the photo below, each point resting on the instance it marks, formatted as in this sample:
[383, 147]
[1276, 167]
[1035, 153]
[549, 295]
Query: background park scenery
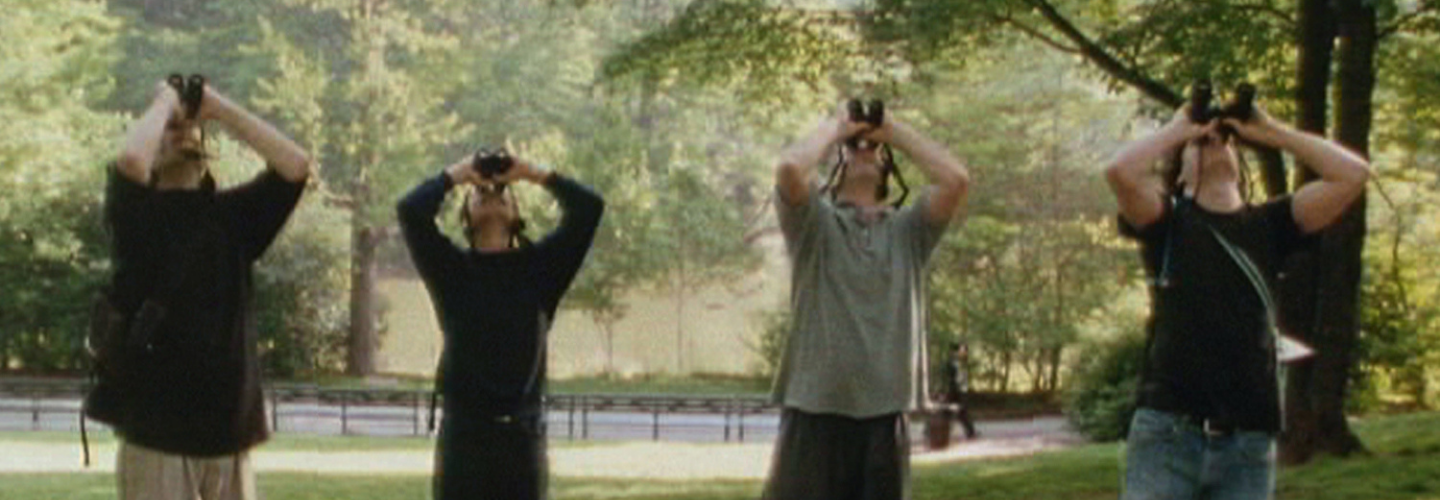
[675, 110]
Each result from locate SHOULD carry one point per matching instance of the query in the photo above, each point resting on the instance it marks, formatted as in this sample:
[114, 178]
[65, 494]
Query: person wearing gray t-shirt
[855, 359]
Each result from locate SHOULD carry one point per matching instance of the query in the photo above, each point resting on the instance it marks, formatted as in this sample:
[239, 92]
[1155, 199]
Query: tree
[53, 148]
[362, 110]
[1158, 47]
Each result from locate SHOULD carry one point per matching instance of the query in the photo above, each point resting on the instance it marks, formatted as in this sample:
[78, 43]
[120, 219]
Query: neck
[1219, 196]
[179, 178]
[491, 239]
[858, 194]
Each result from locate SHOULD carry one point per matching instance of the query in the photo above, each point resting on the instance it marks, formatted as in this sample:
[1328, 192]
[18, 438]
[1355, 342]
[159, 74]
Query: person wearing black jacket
[495, 301]
[1208, 402]
[957, 386]
[183, 393]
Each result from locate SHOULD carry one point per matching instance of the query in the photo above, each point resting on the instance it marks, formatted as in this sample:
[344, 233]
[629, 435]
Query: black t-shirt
[197, 392]
[1210, 353]
[495, 308]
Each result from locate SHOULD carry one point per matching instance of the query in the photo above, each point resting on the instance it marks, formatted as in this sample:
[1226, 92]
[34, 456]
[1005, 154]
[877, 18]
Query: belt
[1211, 427]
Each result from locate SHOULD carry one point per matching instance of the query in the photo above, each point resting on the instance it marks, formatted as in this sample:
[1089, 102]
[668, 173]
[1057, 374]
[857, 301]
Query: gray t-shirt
[857, 293]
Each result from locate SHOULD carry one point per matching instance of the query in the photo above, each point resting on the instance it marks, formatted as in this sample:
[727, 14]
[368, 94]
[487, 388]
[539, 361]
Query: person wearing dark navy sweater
[495, 300]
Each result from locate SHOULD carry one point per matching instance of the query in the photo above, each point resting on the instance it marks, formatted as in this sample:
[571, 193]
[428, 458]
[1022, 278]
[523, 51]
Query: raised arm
[795, 174]
[142, 141]
[281, 153]
[1136, 187]
[1342, 173]
[949, 179]
[432, 252]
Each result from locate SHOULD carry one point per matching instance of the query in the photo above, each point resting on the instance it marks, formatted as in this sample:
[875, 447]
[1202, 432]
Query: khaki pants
[147, 474]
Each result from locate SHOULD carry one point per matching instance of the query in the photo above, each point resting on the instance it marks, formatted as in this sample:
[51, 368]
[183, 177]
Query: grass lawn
[1405, 465]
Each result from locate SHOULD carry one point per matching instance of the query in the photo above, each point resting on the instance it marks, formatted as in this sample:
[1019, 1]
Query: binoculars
[492, 163]
[1203, 109]
[872, 113]
[191, 91]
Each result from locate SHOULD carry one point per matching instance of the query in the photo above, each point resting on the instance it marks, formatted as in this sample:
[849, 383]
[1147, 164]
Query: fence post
[344, 413]
[741, 424]
[570, 420]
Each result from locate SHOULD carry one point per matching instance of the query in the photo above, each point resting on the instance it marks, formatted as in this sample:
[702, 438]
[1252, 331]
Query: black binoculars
[492, 163]
[191, 92]
[1203, 109]
[872, 113]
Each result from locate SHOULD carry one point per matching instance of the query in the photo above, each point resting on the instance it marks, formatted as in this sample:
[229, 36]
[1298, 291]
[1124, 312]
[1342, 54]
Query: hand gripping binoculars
[1204, 110]
[872, 113]
[492, 163]
[191, 91]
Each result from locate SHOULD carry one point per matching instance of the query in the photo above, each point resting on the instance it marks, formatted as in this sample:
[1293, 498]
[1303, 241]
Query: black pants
[832, 457]
[491, 457]
[963, 415]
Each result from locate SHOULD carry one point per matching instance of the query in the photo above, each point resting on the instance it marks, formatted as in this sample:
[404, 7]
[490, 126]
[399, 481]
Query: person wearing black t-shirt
[184, 397]
[495, 299]
[1208, 400]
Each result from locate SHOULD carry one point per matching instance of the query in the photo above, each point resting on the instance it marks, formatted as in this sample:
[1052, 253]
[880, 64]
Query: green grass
[1405, 465]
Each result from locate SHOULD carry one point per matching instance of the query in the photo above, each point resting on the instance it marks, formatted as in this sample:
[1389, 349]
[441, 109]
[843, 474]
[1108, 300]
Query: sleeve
[1153, 233]
[434, 255]
[799, 224]
[1279, 215]
[257, 210]
[924, 235]
[565, 248]
[128, 218]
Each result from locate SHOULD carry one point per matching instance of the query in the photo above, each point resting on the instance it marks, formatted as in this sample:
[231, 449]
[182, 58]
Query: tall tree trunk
[1316, 390]
[363, 339]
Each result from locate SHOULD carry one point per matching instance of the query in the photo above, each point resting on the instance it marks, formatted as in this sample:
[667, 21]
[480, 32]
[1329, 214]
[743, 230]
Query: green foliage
[1101, 396]
[301, 299]
[776, 52]
[52, 147]
[1038, 252]
[770, 347]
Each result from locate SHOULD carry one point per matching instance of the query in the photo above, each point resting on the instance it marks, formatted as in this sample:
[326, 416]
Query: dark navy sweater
[495, 308]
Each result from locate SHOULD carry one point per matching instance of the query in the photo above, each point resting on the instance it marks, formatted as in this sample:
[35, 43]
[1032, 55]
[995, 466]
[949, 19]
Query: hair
[518, 239]
[207, 179]
[1175, 164]
[882, 190]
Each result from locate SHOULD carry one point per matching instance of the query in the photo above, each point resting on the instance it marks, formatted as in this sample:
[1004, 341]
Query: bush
[1101, 398]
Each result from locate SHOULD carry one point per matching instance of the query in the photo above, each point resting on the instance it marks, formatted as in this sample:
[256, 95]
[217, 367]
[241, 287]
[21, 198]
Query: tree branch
[1037, 35]
[1268, 10]
[1104, 59]
[1402, 21]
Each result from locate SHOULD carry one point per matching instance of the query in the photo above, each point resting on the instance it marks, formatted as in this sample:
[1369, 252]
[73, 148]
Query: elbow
[133, 164]
[1115, 175]
[958, 182]
[1360, 173]
[406, 210]
[298, 168]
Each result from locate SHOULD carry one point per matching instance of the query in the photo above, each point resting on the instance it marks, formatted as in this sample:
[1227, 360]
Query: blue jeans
[1168, 457]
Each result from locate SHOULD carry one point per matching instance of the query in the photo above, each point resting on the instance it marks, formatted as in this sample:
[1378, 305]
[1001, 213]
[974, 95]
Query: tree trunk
[1316, 390]
[1055, 356]
[363, 339]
